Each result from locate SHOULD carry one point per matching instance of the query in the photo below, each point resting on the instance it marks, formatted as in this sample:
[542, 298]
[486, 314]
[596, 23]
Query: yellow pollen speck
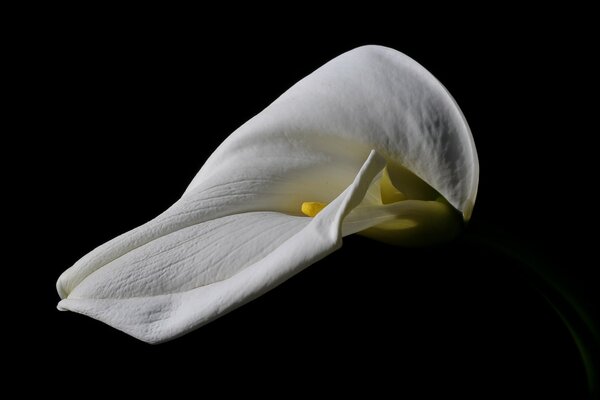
[312, 208]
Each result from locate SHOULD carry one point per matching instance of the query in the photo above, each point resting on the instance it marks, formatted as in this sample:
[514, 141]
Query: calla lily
[369, 143]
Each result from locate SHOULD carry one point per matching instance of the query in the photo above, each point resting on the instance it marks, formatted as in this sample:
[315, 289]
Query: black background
[128, 108]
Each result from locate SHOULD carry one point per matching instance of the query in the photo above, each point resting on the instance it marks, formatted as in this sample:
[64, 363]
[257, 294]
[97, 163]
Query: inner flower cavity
[399, 208]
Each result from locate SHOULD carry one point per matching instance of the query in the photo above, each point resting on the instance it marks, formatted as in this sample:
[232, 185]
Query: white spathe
[237, 231]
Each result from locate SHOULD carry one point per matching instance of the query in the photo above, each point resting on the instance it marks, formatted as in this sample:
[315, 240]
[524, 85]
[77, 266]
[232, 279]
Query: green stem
[559, 294]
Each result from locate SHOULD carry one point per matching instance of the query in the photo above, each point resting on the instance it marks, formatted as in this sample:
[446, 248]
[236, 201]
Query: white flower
[371, 142]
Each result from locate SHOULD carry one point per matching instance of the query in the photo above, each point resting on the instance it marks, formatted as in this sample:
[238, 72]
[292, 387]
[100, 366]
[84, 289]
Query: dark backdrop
[131, 107]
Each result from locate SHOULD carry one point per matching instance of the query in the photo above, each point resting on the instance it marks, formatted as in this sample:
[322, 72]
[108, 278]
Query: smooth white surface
[237, 230]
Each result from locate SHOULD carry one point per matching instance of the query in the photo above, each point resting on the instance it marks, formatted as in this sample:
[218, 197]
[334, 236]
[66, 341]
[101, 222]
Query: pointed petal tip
[468, 210]
[61, 306]
[79, 306]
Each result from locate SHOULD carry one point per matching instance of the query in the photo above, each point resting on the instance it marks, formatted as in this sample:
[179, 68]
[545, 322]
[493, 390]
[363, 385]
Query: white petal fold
[186, 278]
[320, 131]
